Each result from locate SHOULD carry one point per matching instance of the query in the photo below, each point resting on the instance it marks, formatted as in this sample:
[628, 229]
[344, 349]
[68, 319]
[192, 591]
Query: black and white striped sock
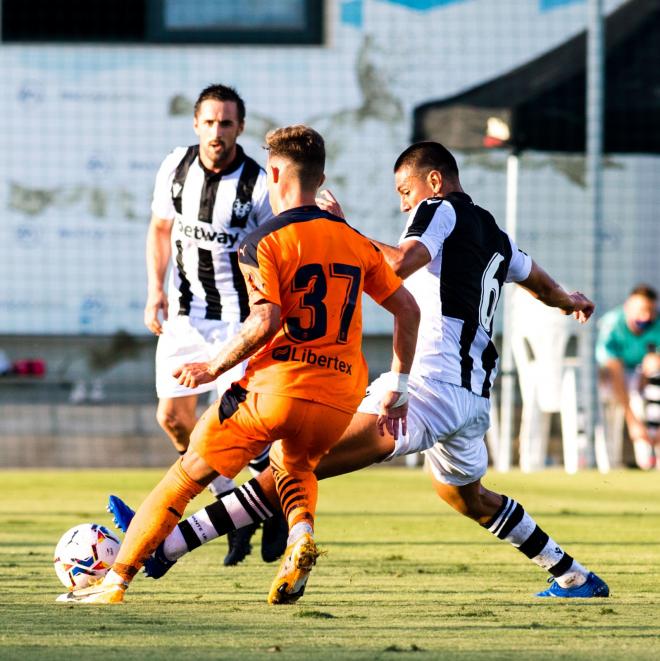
[221, 485]
[241, 507]
[260, 463]
[512, 524]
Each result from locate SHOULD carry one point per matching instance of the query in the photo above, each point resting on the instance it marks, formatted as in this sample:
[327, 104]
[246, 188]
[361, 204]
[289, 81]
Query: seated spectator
[628, 341]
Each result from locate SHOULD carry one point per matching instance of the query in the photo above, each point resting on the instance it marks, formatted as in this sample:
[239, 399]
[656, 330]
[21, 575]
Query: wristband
[396, 382]
[403, 398]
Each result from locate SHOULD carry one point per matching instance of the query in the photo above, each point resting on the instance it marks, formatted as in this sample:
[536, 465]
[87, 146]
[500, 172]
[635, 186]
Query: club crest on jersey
[241, 209]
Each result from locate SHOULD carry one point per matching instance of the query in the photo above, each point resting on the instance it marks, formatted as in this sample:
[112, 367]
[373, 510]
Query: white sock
[298, 531]
[260, 463]
[220, 485]
[644, 457]
[512, 524]
[175, 545]
[574, 577]
[113, 578]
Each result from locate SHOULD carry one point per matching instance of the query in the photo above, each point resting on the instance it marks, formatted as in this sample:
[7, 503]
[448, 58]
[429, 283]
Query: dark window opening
[163, 21]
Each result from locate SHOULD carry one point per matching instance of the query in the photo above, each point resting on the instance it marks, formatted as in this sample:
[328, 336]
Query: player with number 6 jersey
[471, 260]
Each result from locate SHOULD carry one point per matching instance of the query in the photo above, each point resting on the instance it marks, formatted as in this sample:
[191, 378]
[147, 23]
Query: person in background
[626, 351]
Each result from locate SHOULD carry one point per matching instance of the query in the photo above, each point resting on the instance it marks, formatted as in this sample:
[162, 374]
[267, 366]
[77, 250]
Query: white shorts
[189, 340]
[446, 422]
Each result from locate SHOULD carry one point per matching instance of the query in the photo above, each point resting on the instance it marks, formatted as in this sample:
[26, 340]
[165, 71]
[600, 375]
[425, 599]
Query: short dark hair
[304, 147]
[644, 290]
[426, 156]
[221, 93]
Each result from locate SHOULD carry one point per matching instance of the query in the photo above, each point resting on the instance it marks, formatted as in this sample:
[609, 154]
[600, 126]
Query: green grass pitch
[404, 577]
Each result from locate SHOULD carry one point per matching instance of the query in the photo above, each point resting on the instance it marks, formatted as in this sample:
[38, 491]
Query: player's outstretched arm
[158, 254]
[405, 259]
[542, 286]
[260, 326]
[394, 406]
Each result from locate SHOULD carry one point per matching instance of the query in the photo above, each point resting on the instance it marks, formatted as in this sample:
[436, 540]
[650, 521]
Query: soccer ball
[84, 554]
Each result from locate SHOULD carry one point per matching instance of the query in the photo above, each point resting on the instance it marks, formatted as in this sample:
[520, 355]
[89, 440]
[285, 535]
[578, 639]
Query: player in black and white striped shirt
[455, 260]
[207, 198]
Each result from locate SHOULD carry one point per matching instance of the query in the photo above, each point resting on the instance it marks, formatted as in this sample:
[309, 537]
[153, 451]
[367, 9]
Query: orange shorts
[241, 425]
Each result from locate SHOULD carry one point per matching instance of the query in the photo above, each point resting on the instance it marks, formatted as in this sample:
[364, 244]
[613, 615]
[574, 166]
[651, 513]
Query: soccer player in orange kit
[305, 272]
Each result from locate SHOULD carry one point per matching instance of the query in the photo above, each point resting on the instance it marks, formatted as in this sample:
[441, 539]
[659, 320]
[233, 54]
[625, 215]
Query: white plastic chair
[548, 381]
[609, 433]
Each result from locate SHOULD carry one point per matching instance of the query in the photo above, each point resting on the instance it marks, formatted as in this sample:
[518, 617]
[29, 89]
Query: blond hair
[304, 148]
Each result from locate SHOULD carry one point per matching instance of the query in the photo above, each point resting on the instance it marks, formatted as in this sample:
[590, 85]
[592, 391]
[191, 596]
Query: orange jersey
[315, 267]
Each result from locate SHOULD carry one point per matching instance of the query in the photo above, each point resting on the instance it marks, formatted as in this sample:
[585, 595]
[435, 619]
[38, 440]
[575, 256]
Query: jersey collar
[239, 159]
[308, 212]
[457, 195]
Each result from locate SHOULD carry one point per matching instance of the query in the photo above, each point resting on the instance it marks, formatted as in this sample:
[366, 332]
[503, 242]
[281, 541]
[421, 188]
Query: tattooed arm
[260, 326]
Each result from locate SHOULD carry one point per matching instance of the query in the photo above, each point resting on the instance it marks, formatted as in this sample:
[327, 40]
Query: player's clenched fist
[583, 308]
[192, 375]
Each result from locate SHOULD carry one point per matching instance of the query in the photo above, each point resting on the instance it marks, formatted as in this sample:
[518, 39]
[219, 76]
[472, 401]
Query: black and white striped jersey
[651, 398]
[458, 290]
[211, 214]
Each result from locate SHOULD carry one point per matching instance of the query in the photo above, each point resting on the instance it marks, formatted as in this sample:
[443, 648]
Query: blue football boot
[122, 514]
[158, 565]
[593, 587]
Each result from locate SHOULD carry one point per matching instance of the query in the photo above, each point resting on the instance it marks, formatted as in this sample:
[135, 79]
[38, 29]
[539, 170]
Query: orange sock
[155, 520]
[298, 494]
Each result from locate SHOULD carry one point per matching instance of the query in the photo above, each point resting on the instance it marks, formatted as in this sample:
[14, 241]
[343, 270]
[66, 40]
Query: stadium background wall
[85, 124]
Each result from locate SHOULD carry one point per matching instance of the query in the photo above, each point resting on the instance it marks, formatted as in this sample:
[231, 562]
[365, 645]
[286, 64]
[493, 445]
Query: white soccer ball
[84, 554]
